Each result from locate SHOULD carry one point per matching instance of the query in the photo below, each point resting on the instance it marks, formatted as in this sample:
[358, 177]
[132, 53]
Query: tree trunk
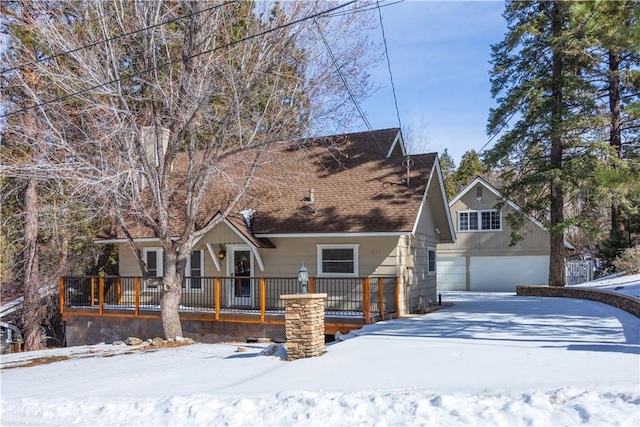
[615, 137]
[172, 292]
[33, 311]
[556, 245]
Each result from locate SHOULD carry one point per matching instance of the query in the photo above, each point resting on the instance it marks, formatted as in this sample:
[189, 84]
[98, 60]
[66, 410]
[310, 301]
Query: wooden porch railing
[370, 298]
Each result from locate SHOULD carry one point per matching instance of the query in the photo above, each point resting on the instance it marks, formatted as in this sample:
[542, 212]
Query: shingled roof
[350, 183]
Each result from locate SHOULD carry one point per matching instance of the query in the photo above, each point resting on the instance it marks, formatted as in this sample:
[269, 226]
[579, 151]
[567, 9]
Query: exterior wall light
[222, 253]
[303, 278]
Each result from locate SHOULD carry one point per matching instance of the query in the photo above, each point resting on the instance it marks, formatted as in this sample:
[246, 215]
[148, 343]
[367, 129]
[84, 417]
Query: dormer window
[484, 220]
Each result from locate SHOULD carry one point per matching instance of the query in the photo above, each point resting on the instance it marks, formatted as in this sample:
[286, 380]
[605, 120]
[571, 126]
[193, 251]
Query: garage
[452, 274]
[503, 273]
[492, 273]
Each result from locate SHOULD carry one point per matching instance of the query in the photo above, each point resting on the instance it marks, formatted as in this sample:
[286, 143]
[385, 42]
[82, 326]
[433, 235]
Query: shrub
[629, 260]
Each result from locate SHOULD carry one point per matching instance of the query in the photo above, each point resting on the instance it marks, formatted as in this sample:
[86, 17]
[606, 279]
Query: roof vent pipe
[312, 196]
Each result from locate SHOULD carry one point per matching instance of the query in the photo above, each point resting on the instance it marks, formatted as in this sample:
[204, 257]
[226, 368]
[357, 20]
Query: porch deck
[350, 303]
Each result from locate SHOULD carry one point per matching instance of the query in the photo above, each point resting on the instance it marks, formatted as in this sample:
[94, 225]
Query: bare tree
[140, 86]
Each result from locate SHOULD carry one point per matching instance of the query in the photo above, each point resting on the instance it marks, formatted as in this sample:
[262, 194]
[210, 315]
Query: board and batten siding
[492, 243]
[422, 287]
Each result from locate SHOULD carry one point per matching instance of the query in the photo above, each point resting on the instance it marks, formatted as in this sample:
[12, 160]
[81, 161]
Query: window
[485, 220]
[431, 261]
[154, 260]
[194, 271]
[337, 260]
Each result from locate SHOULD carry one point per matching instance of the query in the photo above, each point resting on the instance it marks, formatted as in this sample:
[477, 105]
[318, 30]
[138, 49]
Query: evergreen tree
[470, 167]
[537, 79]
[448, 167]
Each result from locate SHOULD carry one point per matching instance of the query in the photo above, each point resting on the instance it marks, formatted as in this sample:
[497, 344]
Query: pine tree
[537, 79]
[470, 167]
[448, 167]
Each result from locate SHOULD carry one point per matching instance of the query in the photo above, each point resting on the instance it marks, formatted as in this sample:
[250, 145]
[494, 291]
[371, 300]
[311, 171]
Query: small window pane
[196, 270]
[464, 221]
[432, 261]
[486, 220]
[473, 221]
[152, 263]
[495, 221]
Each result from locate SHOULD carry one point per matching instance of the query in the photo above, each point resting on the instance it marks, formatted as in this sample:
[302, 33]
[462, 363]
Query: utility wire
[139, 73]
[353, 98]
[386, 52]
[47, 58]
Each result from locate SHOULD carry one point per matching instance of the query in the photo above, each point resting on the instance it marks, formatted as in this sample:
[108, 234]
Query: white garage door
[504, 273]
[451, 274]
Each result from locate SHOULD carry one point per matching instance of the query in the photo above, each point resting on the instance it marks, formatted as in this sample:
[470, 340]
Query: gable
[491, 241]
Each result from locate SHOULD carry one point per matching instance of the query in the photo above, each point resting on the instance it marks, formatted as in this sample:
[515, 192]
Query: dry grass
[116, 351]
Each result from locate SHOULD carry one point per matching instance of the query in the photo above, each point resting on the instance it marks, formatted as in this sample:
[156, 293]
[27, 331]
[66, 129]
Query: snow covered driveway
[491, 359]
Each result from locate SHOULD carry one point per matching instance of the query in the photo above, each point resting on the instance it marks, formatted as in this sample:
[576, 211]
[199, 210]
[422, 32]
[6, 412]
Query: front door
[241, 289]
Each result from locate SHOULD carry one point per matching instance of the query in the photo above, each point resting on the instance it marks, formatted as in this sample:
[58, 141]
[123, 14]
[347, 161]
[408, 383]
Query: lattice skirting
[87, 330]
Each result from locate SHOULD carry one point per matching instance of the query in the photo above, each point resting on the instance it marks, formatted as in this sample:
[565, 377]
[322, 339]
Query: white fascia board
[491, 188]
[214, 258]
[425, 199]
[398, 139]
[142, 240]
[360, 234]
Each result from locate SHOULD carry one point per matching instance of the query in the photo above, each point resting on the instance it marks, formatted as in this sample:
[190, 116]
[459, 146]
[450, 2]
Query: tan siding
[377, 255]
[536, 241]
[422, 288]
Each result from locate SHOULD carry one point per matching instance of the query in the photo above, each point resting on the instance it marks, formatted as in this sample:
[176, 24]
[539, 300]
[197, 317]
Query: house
[348, 206]
[354, 209]
[481, 258]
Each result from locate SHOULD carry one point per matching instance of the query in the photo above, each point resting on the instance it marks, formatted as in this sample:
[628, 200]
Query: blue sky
[440, 52]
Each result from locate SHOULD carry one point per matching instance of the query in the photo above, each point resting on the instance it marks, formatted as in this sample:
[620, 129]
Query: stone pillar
[304, 323]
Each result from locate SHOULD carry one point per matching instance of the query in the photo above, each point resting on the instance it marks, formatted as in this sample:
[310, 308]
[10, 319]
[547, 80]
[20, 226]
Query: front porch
[223, 307]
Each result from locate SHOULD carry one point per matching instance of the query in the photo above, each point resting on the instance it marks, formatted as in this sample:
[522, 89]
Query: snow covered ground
[490, 360]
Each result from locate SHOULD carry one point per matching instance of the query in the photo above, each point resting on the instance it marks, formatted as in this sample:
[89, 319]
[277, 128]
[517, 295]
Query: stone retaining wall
[623, 302]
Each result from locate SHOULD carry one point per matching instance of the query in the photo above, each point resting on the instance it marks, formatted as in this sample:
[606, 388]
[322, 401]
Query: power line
[352, 97]
[115, 37]
[386, 52]
[139, 73]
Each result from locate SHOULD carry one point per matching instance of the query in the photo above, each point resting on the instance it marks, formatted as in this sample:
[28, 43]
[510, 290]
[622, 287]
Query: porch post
[61, 295]
[137, 291]
[366, 300]
[101, 296]
[312, 285]
[217, 298]
[93, 290]
[381, 297]
[262, 298]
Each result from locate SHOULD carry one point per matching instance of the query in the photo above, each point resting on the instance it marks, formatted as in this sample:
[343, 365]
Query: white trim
[141, 240]
[397, 139]
[359, 234]
[491, 188]
[187, 273]
[231, 272]
[320, 247]
[159, 259]
[425, 198]
[435, 261]
[252, 247]
[479, 218]
[214, 257]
